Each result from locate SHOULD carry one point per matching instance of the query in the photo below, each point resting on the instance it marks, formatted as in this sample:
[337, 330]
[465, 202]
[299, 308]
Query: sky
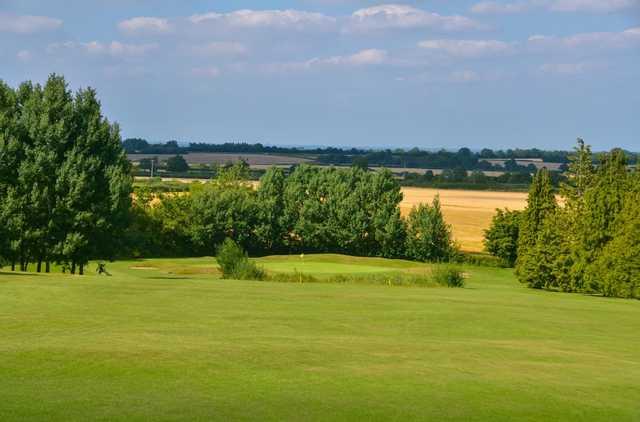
[428, 74]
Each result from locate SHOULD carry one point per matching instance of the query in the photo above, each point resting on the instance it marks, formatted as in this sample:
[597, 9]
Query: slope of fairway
[167, 340]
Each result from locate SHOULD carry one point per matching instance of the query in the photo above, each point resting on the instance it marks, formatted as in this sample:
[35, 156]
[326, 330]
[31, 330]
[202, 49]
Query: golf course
[168, 339]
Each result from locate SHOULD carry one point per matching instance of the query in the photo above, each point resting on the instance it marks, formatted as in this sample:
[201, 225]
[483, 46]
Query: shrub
[501, 239]
[234, 263]
[481, 260]
[448, 275]
[429, 237]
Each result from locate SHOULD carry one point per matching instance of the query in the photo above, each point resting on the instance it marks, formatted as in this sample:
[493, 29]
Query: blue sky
[433, 73]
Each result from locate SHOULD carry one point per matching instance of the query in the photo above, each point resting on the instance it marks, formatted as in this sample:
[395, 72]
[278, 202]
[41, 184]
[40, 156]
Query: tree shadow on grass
[2, 273]
[169, 278]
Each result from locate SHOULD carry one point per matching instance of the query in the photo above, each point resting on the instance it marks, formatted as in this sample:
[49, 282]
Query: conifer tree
[603, 201]
[616, 271]
[429, 237]
[541, 204]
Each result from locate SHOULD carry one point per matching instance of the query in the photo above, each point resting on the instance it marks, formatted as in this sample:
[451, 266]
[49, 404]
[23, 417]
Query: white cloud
[283, 19]
[113, 49]
[206, 72]
[367, 57]
[27, 24]
[220, 48]
[146, 25]
[464, 76]
[493, 7]
[597, 6]
[392, 16]
[569, 69]
[24, 55]
[587, 41]
[593, 6]
[468, 48]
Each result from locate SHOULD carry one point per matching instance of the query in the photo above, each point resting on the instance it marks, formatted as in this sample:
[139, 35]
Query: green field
[168, 340]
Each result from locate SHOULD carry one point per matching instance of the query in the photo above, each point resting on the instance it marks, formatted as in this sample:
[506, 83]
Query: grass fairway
[167, 340]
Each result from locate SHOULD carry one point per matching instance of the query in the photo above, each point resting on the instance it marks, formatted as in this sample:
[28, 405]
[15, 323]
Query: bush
[448, 275]
[235, 264]
[501, 239]
[481, 260]
[429, 237]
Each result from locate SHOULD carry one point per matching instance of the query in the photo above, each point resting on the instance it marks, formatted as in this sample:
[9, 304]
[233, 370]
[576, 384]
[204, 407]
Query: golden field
[469, 212]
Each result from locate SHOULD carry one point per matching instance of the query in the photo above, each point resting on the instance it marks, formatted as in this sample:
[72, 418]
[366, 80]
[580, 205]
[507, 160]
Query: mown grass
[169, 340]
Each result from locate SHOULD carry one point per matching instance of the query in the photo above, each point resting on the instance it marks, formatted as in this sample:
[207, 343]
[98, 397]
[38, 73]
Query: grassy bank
[168, 340]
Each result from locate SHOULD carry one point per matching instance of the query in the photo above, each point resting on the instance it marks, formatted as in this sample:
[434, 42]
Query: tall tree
[602, 203]
[94, 186]
[271, 228]
[616, 271]
[541, 204]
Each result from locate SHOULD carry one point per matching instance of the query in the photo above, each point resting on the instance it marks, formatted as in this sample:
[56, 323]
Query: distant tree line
[65, 181]
[313, 209]
[590, 243]
[460, 178]
[415, 157]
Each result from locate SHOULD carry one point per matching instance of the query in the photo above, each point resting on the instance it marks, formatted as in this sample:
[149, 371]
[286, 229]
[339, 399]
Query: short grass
[168, 340]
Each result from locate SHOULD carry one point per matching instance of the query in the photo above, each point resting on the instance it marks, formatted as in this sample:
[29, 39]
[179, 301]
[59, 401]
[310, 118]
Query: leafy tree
[271, 229]
[148, 163]
[177, 164]
[224, 209]
[501, 239]
[94, 184]
[428, 236]
[616, 270]
[135, 145]
[361, 162]
[603, 200]
[541, 204]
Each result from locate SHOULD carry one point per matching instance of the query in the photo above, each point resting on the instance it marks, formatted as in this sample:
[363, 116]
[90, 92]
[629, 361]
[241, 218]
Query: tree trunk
[47, 267]
[13, 265]
[39, 267]
[73, 267]
[81, 268]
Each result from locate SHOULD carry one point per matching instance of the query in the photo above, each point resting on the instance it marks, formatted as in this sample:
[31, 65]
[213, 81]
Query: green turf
[167, 340]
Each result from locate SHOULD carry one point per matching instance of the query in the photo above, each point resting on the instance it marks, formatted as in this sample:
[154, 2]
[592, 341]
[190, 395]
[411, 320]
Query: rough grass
[170, 343]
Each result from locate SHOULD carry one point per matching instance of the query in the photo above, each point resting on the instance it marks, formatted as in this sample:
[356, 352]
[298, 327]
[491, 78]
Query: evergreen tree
[541, 204]
[428, 236]
[603, 201]
[616, 271]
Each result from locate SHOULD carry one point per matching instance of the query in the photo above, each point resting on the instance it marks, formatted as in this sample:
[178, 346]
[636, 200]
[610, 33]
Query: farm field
[469, 212]
[166, 339]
